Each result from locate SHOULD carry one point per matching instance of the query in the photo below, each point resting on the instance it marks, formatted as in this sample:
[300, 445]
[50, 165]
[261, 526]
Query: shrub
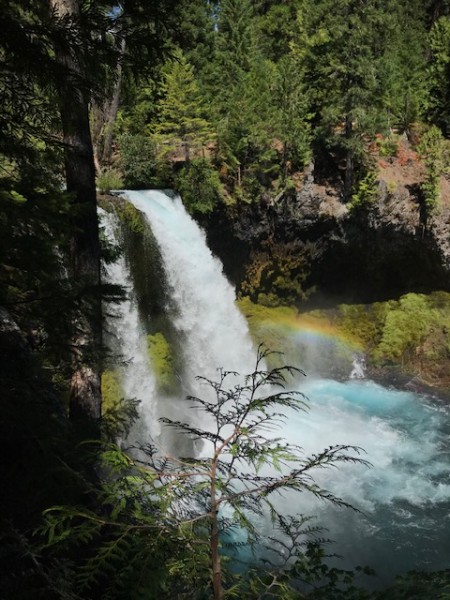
[367, 191]
[434, 151]
[387, 146]
[199, 185]
[140, 166]
[109, 179]
[405, 328]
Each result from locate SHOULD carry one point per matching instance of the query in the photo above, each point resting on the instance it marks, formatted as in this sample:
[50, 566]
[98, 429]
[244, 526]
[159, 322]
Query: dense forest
[232, 104]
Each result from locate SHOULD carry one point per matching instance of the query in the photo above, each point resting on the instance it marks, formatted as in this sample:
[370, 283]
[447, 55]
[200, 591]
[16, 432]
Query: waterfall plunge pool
[404, 498]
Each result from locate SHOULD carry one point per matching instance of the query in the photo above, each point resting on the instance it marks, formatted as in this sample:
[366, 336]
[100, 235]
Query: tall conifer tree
[342, 44]
[182, 112]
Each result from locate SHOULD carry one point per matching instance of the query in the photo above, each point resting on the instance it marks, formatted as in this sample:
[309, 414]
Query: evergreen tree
[403, 67]
[439, 73]
[291, 113]
[342, 44]
[197, 33]
[163, 523]
[70, 49]
[181, 109]
[234, 43]
[275, 26]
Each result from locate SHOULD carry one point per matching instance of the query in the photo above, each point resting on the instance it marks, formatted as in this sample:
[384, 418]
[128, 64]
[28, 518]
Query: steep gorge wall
[312, 241]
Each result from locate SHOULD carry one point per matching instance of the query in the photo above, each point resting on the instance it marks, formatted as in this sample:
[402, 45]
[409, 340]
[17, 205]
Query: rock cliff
[380, 250]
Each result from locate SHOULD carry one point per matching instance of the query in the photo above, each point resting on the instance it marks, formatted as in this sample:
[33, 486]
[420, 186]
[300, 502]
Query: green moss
[131, 217]
[162, 360]
[363, 322]
[112, 392]
[406, 326]
[412, 332]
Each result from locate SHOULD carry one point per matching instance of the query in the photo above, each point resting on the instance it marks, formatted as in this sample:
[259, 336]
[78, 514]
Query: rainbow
[312, 330]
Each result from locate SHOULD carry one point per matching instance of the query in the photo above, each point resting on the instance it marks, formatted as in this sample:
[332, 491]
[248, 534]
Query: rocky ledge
[380, 250]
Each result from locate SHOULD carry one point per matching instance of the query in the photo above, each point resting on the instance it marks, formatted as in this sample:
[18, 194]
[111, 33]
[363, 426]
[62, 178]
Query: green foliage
[411, 332]
[199, 185]
[140, 551]
[417, 585]
[112, 392]
[341, 47]
[162, 362]
[131, 217]
[109, 179]
[182, 111]
[313, 578]
[292, 113]
[34, 241]
[138, 161]
[435, 152]
[438, 72]
[366, 193]
[387, 146]
[405, 327]
[365, 322]
[153, 530]
[405, 89]
[275, 26]
[261, 123]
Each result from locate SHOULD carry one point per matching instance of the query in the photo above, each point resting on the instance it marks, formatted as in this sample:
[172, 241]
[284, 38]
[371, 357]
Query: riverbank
[405, 343]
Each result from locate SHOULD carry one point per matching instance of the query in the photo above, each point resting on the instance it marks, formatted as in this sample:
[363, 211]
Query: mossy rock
[162, 361]
[276, 276]
[112, 391]
[268, 325]
[131, 217]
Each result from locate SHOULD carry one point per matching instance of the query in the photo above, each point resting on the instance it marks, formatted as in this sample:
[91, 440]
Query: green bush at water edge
[412, 332]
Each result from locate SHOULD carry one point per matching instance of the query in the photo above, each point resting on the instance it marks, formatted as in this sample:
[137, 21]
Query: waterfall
[358, 367]
[405, 496]
[125, 336]
[213, 332]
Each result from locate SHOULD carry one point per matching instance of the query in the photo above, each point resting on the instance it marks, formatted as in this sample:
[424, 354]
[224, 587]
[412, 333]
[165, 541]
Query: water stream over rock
[404, 498]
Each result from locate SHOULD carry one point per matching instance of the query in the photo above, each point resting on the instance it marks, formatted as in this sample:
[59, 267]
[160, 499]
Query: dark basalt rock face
[366, 254]
[387, 249]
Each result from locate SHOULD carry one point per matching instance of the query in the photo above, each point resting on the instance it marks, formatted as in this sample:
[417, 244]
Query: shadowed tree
[69, 46]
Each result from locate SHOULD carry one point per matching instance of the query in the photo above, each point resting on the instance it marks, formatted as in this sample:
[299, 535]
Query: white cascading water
[405, 496]
[358, 367]
[214, 332]
[126, 337]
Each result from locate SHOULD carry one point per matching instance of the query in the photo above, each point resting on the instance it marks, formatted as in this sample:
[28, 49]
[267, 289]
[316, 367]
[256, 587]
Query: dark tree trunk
[97, 127]
[85, 396]
[111, 112]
